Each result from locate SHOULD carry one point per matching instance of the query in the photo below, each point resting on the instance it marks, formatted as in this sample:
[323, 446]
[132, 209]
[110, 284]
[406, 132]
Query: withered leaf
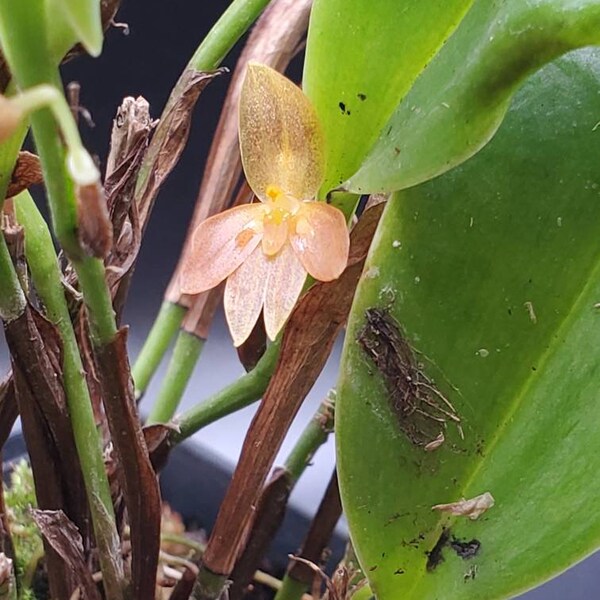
[170, 137]
[65, 539]
[35, 356]
[307, 342]
[94, 228]
[27, 172]
[320, 532]
[270, 512]
[138, 479]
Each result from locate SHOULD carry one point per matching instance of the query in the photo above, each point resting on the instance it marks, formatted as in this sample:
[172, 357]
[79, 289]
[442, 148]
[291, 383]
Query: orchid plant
[467, 285]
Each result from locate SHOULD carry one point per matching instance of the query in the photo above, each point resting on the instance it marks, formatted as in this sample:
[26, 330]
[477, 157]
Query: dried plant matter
[472, 508]
[65, 539]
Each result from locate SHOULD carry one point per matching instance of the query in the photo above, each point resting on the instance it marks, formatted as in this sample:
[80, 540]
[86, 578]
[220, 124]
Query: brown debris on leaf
[66, 541]
[27, 172]
[472, 508]
[422, 411]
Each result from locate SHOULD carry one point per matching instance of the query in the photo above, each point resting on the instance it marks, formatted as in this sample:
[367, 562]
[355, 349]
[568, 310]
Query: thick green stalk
[12, 298]
[290, 589]
[232, 25]
[46, 276]
[241, 393]
[181, 366]
[163, 331]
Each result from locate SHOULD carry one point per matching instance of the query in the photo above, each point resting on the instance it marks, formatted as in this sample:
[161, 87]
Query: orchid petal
[280, 138]
[321, 241]
[244, 295]
[286, 279]
[219, 245]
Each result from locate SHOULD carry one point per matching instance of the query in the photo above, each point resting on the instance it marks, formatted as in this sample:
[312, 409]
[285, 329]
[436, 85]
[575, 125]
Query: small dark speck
[397, 150]
[399, 572]
[342, 107]
[383, 555]
[389, 130]
[373, 568]
[361, 97]
[510, 311]
[534, 368]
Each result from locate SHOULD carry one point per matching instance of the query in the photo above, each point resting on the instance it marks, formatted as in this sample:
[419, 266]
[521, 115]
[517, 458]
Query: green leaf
[493, 271]
[362, 57]
[457, 104]
[71, 21]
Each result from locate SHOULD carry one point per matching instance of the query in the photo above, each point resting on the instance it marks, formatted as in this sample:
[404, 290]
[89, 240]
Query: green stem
[163, 331]
[290, 589]
[315, 434]
[91, 276]
[12, 298]
[232, 25]
[46, 276]
[181, 366]
[241, 393]
[24, 42]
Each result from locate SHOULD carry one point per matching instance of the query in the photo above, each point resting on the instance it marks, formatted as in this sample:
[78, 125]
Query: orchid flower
[266, 249]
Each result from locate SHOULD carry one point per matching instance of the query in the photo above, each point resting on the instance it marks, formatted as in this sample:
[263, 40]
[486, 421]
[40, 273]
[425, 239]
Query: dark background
[163, 34]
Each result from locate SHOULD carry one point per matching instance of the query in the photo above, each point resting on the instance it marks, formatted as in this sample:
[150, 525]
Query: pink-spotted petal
[280, 137]
[244, 295]
[286, 279]
[321, 240]
[219, 246]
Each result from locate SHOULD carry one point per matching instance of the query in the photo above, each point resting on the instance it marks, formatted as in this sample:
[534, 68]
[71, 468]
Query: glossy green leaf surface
[490, 275]
[79, 20]
[362, 57]
[458, 102]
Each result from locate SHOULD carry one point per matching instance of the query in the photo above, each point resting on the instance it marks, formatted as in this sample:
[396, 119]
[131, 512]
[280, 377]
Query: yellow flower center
[280, 209]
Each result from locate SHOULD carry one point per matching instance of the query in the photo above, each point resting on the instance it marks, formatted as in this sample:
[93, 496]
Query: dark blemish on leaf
[389, 130]
[343, 108]
[534, 368]
[397, 150]
[510, 312]
[394, 518]
[373, 568]
[435, 555]
[399, 572]
[422, 411]
[464, 549]
[361, 97]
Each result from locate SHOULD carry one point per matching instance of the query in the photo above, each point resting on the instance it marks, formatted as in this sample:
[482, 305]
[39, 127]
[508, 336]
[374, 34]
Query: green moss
[20, 499]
